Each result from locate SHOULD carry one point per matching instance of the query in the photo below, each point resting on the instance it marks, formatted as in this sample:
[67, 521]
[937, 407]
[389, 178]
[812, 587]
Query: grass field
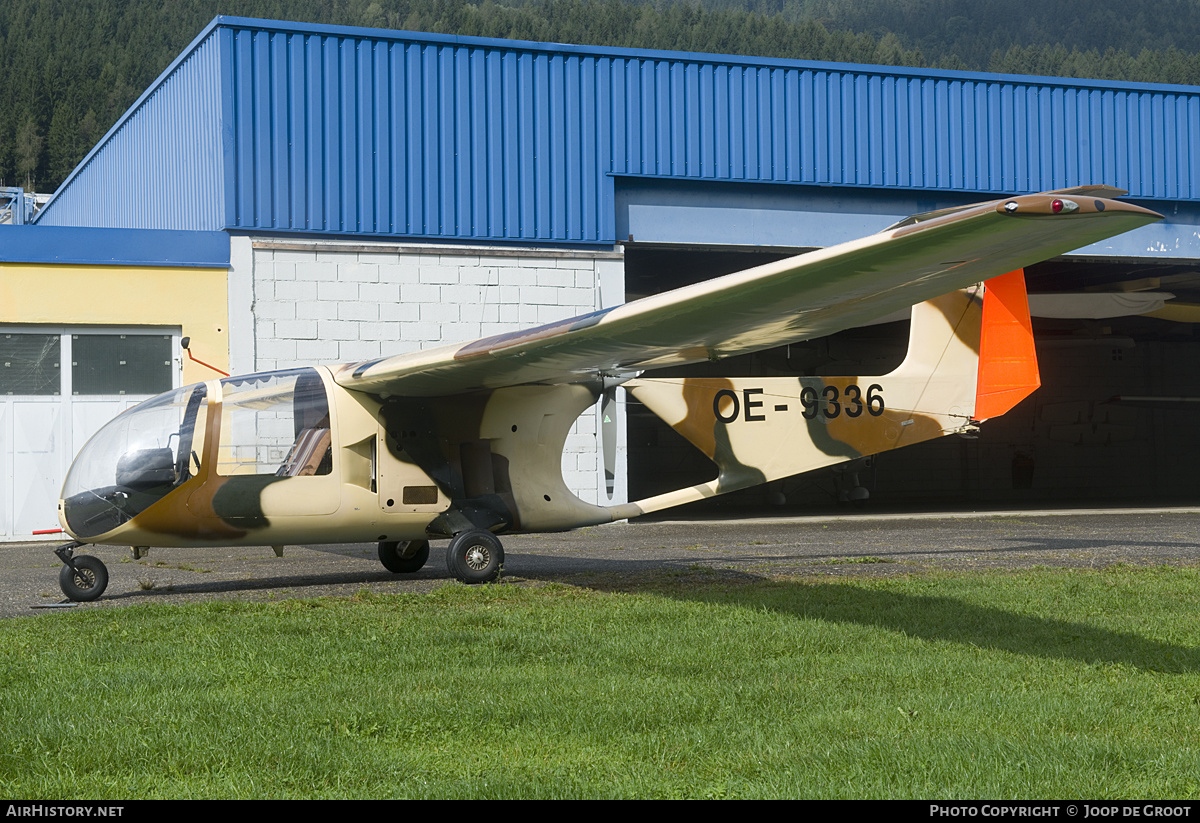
[1040, 684]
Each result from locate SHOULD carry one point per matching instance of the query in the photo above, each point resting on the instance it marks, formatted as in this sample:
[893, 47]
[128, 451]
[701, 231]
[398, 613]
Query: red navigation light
[1056, 206]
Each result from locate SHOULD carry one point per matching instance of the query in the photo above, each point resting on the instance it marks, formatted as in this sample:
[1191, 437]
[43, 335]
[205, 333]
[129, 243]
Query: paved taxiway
[626, 556]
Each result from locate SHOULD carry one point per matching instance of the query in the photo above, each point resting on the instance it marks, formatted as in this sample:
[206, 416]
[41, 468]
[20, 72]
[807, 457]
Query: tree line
[70, 68]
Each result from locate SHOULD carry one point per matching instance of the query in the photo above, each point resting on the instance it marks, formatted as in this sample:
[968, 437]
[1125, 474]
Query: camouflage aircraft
[465, 441]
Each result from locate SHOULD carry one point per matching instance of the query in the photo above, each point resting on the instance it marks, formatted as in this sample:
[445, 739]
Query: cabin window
[275, 423]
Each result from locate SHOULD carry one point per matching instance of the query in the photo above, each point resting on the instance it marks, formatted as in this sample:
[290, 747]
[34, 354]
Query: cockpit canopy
[273, 423]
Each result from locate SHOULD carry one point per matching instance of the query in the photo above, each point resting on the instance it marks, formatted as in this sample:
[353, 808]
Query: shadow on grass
[951, 620]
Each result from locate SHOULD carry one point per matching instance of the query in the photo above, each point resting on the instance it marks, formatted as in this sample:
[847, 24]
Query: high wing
[810, 295]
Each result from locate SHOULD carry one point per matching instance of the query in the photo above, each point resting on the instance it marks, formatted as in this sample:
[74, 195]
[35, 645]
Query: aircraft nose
[133, 461]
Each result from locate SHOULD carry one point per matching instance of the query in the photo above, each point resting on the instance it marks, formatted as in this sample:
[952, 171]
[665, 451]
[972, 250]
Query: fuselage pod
[263, 459]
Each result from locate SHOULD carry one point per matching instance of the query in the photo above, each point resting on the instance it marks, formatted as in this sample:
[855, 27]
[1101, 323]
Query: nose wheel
[83, 577]
[475, 557]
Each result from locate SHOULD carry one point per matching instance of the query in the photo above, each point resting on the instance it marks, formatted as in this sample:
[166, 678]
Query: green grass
[1038, 684]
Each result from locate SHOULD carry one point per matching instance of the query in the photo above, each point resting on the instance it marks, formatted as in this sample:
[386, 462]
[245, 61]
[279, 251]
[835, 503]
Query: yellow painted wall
[195, 300]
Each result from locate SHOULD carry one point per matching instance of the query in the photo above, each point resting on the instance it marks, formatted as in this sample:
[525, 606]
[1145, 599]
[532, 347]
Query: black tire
[391, 555]
[86, 580]
[475, 557]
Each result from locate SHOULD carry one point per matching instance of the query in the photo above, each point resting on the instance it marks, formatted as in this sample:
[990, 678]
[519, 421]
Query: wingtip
[1059, 204]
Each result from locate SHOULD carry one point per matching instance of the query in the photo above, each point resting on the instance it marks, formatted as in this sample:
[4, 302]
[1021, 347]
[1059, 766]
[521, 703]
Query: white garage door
[58, 386]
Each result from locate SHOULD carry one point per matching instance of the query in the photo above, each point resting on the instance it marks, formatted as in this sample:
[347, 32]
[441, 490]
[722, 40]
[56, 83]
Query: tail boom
[970, 357]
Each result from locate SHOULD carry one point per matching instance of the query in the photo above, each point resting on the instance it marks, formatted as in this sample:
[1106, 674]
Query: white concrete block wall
[337, 302]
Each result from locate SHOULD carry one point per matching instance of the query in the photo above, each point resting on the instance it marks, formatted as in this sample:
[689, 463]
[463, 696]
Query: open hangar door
[1116, 421]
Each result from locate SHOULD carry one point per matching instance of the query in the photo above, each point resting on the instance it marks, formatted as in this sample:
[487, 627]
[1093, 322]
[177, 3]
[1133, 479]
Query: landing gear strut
[83, 577]
[475, 557]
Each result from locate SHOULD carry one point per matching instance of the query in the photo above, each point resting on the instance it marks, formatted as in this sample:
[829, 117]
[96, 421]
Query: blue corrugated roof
[283, 127]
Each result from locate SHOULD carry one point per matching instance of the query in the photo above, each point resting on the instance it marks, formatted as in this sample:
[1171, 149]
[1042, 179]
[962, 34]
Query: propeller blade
[608, 437]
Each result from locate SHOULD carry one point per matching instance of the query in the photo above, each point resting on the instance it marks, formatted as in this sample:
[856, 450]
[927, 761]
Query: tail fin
[970, 357]
[1008, 369]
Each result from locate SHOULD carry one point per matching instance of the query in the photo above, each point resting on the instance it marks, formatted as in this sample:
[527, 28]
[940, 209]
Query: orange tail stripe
[1008, 369]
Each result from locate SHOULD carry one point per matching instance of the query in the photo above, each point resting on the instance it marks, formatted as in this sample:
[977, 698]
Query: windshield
[135, 460]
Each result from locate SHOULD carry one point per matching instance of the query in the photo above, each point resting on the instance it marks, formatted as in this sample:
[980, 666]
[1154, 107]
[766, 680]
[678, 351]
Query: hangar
[289, 193]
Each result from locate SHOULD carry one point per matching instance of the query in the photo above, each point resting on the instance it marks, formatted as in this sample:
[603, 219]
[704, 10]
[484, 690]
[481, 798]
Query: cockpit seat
[307, 454]
[146, 469]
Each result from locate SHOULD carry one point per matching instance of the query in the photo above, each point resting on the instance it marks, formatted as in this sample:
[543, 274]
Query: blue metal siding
[357, 131]
[73, 245]
[354, 135]
[159, 167]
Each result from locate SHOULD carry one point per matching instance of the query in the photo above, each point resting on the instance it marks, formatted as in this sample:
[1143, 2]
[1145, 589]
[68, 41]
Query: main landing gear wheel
[475, 557]
[85, 578]
[404, 557]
